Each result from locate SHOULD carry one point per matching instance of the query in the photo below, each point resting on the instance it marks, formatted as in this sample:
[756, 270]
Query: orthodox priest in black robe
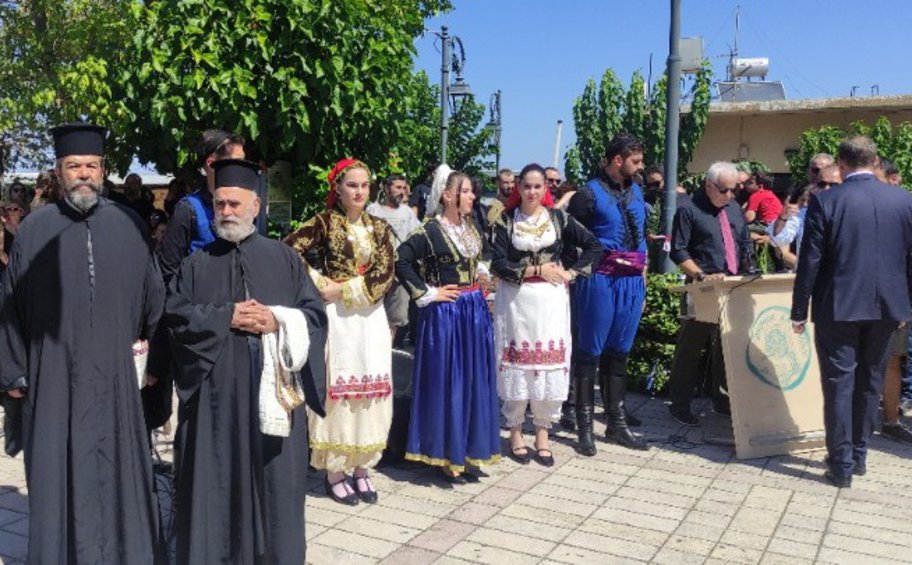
[80, 289]
[240, 492]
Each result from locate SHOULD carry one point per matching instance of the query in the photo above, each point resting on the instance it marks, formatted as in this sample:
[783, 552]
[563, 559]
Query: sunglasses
[725, 190]
[824, 184]
[552, 181]
[814, 170]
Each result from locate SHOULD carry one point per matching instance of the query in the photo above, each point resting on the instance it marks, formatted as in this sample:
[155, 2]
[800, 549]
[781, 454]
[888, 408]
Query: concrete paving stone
[498, 496]
[474, 513]
[647, 508]
[870, 532]
[379, 529]
[527, 528]
[543, 516]
[766, 497]
[887, 499]
[313, 530]
[755, 520]
[356, 543]
[410, 504]
[599, 478]
[794, 548]
[725, 496]
[529, 544]
[612, 546]
[607, 466]
[737, 475]
[793, 520]
[770, 558]
[450, 560]
[664, 487]
[619, 516]
[433, 493]
[400, 517]
[576, 555]
[745, 539]
[868, 547]
[13, 546]
[667, 476]
[624, 532]
[582, 485]
[734, 554]
[442, 536]
[567, 493]
[805, 509]
[716, 507]
[474, 552]
[565, 506]
[410, 556]
[729, 485]
[324, 517]
[678, 465]
[700, 531]
[325, 503]
[669, 556]
[816, 499]
[711, 519]
[318, 554]
[842, 515]
[691, 545]
[801, 535]
[656, 497]
[841, 557]
[522, 479]
[621, 457]
[873, 508]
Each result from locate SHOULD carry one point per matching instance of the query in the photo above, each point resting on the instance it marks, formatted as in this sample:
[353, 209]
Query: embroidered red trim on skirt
[367, 386]
[527, 355]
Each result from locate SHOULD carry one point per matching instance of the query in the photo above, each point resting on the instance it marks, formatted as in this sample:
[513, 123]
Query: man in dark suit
[855, 265]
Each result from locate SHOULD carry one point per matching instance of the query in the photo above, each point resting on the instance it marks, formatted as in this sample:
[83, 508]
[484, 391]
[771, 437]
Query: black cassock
[240, 493]
[80, 289]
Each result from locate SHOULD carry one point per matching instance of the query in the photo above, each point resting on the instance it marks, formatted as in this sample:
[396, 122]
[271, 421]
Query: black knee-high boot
[584, 375]
[617, 411]
[604, 388]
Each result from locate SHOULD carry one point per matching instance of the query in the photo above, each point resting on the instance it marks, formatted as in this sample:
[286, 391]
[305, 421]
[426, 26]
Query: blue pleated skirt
[607, 312]
[454, 416]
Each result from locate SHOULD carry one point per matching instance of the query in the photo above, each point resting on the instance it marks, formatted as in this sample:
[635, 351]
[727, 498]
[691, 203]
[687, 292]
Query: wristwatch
[701, 276]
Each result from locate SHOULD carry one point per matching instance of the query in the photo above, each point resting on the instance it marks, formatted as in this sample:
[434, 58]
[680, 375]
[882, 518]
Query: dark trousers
[853, 358]
[687, 368]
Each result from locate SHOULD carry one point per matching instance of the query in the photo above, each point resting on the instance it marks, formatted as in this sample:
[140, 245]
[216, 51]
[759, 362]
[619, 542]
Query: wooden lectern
[772, 373]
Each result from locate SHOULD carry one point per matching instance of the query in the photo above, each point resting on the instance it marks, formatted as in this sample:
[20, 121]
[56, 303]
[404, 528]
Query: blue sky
[540, 53]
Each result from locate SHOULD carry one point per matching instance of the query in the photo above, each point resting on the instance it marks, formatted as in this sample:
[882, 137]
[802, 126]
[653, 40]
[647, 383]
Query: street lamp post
[444, 92]
[672, 113]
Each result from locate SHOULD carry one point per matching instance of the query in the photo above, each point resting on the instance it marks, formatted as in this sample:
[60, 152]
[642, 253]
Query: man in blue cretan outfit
[608, 305]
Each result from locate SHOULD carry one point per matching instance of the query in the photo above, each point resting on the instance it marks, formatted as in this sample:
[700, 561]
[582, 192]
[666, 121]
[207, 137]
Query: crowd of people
[281, 352]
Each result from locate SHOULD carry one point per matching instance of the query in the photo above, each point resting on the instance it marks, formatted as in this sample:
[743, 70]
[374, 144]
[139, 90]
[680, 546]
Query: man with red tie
[709, 240]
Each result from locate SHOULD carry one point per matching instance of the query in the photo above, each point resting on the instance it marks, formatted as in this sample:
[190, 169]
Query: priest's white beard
[81, 201]
[236, 228]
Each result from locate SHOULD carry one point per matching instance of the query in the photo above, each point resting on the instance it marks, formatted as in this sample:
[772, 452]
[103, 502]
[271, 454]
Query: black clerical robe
[79, 290]
[240, 493]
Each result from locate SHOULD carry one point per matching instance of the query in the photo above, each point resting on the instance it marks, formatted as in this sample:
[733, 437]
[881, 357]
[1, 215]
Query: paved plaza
[687, 500]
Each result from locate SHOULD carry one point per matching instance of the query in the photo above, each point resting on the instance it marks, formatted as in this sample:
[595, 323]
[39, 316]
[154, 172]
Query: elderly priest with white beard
[248, 331]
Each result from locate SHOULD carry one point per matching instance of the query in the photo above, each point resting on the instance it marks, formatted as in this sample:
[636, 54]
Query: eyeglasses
[724, 190]
[552, 181]
[824, 184]
[11, 209]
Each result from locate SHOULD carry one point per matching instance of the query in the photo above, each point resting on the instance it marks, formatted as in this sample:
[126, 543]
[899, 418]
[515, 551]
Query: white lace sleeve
[427, 297]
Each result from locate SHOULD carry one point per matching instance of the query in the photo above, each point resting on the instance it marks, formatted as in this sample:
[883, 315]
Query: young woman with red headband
[532, 308]
[454, 423]
[354, 255]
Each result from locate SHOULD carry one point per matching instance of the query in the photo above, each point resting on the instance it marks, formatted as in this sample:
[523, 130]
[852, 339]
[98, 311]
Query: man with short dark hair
[607, 306]
[854, 267]
[763, 206]
[393, 208]
[709, 240]
[190, 228]
[81, 291]
[506, 182]
[552, 181]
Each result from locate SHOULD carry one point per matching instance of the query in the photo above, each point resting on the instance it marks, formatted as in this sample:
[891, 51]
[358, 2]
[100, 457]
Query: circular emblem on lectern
[775, 354]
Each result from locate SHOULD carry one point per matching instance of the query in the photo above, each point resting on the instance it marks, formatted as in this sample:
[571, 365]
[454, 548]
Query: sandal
[453, 477]
[369, 494]
[348, 499]
[544, 460]
[522, 457]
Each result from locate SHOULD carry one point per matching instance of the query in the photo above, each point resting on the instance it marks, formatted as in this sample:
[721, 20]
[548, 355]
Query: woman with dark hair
[354, 255]
[532, 308]
[454, 423]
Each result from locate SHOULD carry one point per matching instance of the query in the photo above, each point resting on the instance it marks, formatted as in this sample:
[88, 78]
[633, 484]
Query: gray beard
[82, 202]
[233, 231]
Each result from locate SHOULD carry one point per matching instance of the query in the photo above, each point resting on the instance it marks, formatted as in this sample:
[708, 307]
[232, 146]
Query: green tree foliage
[603, 111]
[653, 349]
[893, 143]
[57, 63]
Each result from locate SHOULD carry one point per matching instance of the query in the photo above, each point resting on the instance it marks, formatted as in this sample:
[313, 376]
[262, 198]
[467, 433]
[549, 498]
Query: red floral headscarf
[338, 171]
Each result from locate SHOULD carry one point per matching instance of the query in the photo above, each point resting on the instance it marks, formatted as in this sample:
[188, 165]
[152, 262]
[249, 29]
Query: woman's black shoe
[544, 460]
[457, 479]
[348, 500]
[520, 454]
[369, 495]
